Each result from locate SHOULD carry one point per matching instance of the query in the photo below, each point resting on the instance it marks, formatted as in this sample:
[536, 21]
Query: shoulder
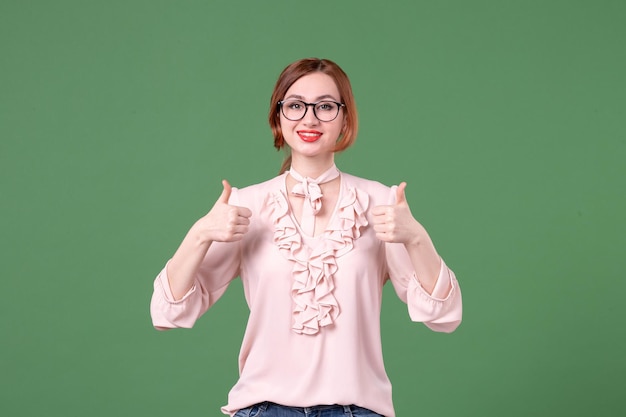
[377, 193]
[257, 193]
[271, 184]
[371, 187]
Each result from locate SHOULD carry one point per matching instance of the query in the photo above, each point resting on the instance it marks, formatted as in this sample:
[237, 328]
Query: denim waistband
[311, 411]
[265, 404]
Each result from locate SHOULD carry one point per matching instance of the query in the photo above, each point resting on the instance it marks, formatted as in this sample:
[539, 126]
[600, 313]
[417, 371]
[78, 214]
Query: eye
[326, 106]
[294, 105]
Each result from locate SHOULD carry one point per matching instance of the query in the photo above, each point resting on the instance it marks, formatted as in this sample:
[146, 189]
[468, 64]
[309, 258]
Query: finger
[234, 237]
[400, 196]
[225, 192]
[380, 210]
[383, 236]
[381, 219]
[239, 229]
[238, 215]
[242, 220]
[381, 228]
[244, 212]
[378, 219]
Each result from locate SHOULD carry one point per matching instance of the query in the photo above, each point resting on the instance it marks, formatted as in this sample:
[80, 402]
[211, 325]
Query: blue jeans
[267, 409]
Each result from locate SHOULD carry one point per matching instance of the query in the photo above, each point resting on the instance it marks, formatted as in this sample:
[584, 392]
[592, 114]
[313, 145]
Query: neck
[310, 167]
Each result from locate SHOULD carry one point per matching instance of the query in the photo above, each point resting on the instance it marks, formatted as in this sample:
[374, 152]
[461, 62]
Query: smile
[309, 135]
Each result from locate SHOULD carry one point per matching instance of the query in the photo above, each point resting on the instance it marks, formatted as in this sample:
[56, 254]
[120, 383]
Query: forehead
[313, 86]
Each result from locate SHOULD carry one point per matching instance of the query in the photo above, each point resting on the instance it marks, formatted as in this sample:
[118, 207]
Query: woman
[313, 247]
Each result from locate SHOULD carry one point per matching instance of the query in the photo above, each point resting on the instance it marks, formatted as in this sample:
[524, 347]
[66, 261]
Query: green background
[118, 119]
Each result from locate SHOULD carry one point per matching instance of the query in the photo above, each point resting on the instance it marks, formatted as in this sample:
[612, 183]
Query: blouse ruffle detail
[314, 305]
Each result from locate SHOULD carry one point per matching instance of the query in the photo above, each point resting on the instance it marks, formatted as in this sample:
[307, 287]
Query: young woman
[313, 247]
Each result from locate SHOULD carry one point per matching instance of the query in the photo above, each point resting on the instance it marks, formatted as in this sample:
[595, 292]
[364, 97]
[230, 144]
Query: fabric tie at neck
[310, 190]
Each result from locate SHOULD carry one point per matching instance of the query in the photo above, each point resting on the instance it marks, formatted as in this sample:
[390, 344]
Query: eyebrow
[325, 96]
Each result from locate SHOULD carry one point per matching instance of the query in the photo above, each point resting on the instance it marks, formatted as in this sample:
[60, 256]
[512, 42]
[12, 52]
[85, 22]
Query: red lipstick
[309, 135]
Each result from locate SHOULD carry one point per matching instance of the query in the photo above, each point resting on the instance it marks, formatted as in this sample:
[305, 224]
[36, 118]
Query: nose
[309, 117]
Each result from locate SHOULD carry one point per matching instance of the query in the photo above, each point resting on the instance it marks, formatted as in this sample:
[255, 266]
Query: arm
[224, 223]
[395, 224]
[200, 270]
[418, 273]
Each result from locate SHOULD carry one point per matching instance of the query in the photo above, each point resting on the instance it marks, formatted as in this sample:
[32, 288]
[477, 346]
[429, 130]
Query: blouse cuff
[168, 313]
[441, 311]
[443, 286]
[164, 283]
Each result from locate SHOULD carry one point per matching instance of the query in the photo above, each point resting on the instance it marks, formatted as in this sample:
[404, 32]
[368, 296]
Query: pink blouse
[313, 334]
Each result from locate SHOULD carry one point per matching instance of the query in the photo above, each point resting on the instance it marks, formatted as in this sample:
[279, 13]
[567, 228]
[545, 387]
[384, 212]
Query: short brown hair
[290, 75]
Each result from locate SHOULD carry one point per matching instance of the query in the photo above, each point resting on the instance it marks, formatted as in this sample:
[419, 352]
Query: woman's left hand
[395, 223]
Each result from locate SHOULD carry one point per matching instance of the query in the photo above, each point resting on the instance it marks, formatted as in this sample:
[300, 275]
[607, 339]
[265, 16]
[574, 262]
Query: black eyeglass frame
[306, 108]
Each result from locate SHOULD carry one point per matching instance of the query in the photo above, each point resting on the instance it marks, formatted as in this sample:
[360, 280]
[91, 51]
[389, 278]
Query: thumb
[400, 196]
[225, 192]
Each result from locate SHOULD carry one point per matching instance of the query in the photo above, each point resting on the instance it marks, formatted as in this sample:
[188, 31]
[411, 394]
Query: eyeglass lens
[325, 111]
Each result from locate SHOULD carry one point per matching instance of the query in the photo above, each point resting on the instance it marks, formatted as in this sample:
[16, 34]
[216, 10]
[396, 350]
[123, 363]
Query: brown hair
[290, 75]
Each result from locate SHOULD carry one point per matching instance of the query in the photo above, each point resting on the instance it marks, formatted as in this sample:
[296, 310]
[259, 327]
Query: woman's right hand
[225, 222]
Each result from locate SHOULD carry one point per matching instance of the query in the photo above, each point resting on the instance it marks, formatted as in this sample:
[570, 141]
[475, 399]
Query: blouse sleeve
[219, 267]
[442, 310]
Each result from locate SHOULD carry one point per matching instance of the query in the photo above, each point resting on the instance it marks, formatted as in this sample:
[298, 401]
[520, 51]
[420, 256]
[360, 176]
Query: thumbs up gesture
[225, 222]
[395, 223]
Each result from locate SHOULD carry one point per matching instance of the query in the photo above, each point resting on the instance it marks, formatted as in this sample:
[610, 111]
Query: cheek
[339, 128]
[285, 125]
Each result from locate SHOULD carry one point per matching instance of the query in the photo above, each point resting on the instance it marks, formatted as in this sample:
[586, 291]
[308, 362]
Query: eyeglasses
[325, 111]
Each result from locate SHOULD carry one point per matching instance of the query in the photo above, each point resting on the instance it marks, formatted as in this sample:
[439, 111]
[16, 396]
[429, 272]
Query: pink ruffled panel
[314, 305]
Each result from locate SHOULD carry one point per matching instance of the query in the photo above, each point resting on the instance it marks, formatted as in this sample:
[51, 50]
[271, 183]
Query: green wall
[118, 119]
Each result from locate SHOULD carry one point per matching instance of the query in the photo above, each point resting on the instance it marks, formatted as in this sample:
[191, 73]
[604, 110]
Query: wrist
[414, 243]
[198, 235]
[416, 237]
